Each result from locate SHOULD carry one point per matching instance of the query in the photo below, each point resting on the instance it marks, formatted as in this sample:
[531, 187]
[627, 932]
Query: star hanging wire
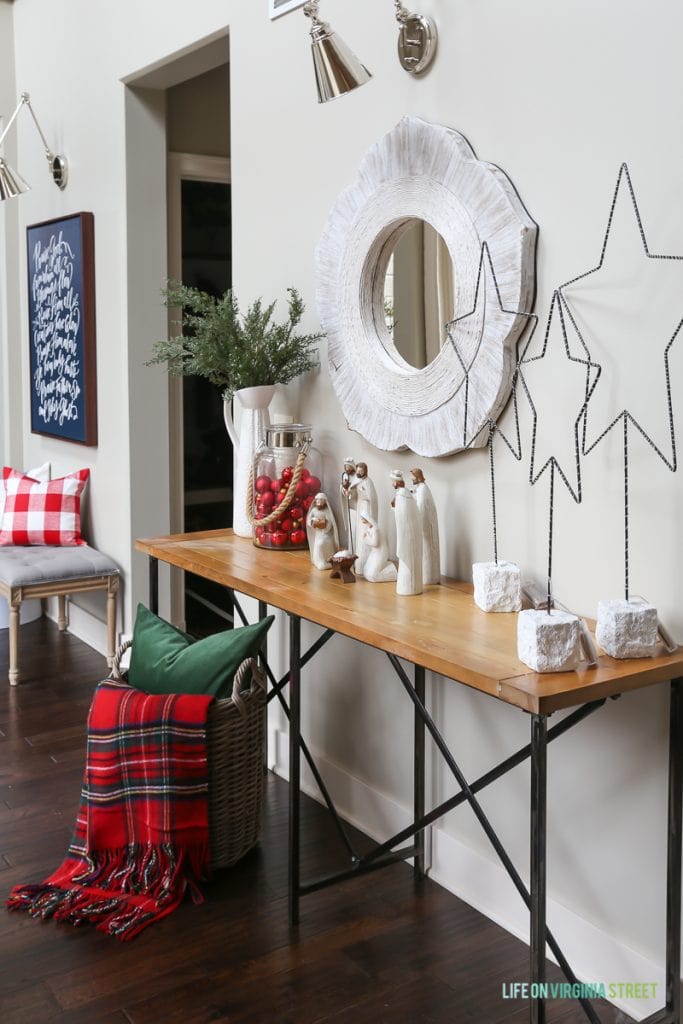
[626, 417]
[552, 462]
[491, 424]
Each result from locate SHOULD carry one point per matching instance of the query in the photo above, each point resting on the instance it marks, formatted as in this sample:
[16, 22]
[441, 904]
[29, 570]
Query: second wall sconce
[11, 183]
[338, 70]
[416, 40]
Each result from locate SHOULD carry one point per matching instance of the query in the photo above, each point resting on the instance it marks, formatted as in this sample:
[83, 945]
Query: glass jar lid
[288, 435]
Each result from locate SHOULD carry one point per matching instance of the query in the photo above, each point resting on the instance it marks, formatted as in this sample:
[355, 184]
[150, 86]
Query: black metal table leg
[263, 654]
[419, 774]
[294, 765]
[673, 870]
[539, 727]
[154, 584]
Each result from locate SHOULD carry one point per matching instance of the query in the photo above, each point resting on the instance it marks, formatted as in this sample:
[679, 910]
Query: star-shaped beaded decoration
[629, 290]
[490, 427]
[568, 441]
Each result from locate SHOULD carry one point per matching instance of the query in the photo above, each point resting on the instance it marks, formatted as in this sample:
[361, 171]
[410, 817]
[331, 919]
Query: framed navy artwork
[61, 301]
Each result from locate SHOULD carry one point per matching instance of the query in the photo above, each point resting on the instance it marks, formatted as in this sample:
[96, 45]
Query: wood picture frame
[61, 309]
[276, 8]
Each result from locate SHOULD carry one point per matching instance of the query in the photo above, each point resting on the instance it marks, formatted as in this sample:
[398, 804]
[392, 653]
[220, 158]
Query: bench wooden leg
[111, 621]
[61, 614]
[14, 643]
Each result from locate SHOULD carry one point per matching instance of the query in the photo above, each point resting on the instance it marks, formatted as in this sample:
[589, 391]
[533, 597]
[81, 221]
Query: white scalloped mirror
[420, 172]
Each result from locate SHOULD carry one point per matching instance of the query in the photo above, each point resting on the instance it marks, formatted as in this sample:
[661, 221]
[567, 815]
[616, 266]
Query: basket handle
[258, 678]
[258, 682]
[116, 663]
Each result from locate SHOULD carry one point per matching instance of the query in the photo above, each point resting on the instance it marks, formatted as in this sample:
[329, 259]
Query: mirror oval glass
[419, 292]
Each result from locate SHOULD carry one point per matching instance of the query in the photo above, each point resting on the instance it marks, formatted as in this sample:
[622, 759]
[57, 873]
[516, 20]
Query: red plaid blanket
[142, 836]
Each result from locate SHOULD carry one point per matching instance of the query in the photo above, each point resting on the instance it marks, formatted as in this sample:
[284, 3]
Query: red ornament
[263, 483]
[286, 525]
[301, 489]
[279, 539]
[314, 484]
[287, 473]
[297, 537]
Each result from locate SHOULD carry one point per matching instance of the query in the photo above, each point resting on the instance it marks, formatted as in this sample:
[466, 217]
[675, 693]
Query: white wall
[558, 98]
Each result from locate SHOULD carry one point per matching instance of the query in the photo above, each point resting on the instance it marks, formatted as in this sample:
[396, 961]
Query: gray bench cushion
[21, 566]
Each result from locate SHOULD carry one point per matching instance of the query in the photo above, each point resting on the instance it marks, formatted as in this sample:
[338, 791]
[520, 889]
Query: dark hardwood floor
[376, 950]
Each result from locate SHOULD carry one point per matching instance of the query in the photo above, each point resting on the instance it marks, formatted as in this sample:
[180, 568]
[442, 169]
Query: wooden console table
[442, 631]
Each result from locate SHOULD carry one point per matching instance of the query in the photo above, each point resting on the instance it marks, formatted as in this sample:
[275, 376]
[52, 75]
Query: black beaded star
[490, 426]
[626, 417]
[552, 463]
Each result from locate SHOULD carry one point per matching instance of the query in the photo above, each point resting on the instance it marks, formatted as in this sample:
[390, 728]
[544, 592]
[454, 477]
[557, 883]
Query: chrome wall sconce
[338, 70]
[11, 183]
[416, 40]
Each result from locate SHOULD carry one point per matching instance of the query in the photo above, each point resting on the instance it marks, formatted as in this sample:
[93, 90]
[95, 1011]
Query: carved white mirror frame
[429, 172]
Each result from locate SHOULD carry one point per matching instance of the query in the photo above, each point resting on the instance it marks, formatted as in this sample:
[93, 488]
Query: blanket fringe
[120, 891]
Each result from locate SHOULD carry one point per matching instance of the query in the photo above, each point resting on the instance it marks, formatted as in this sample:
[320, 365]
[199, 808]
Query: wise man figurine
[378, 568]
[426, 508]
[321, 529]
[363, 497]
[347, 496]
[408, 538]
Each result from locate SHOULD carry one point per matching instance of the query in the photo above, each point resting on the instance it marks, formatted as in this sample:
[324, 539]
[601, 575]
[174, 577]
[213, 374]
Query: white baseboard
[83, 624]
[596, 957]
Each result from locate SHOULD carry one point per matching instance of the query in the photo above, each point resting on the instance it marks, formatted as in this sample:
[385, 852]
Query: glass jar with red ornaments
[286, 479]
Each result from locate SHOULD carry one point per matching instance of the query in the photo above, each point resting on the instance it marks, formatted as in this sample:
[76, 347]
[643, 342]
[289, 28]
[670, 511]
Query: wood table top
[441, 629]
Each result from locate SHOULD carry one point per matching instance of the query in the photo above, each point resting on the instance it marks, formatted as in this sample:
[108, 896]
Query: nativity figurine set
[366, 552]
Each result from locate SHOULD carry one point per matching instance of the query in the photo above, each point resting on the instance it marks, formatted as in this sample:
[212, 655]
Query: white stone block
[627, 629]
[497, 586]
[548, 642]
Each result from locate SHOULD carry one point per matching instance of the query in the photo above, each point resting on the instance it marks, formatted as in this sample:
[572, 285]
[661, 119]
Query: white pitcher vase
[254, 419]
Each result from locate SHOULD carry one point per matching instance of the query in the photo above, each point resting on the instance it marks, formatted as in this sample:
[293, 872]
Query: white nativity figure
[321, 529]
[378, 568]
[431, 552]
[363, 497]
[408, 538]
[347, 496]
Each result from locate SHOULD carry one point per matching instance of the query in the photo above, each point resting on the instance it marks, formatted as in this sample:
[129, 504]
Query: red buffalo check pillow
[42, 513]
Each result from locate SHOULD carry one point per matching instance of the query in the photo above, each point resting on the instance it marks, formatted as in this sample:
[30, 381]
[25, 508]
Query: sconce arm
[402, 14]
[24, 99]
[311, 9]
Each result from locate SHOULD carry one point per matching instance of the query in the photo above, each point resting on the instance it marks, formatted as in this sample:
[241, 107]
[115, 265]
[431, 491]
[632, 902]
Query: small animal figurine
[321, 529]
[431, 554]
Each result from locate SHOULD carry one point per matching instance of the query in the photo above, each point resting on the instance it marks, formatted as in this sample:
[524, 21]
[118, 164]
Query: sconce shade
[11, 184]
[337, 69]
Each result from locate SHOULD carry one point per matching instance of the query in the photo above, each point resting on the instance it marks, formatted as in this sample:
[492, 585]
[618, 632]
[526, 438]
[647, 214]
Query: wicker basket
[235, 741]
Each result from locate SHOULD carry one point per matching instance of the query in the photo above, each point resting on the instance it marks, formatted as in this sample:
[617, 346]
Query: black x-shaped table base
[385, 853]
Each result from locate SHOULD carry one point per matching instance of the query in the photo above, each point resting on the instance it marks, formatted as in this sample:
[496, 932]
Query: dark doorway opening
[207, 451]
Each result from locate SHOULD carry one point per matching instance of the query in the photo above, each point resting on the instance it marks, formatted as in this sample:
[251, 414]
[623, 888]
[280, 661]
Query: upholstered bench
[43, 571]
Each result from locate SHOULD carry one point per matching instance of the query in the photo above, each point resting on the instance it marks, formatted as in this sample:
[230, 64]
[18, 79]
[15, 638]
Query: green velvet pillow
[166, 660]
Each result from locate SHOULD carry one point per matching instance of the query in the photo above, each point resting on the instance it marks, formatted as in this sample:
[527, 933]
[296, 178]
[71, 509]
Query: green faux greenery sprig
[232, 350]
